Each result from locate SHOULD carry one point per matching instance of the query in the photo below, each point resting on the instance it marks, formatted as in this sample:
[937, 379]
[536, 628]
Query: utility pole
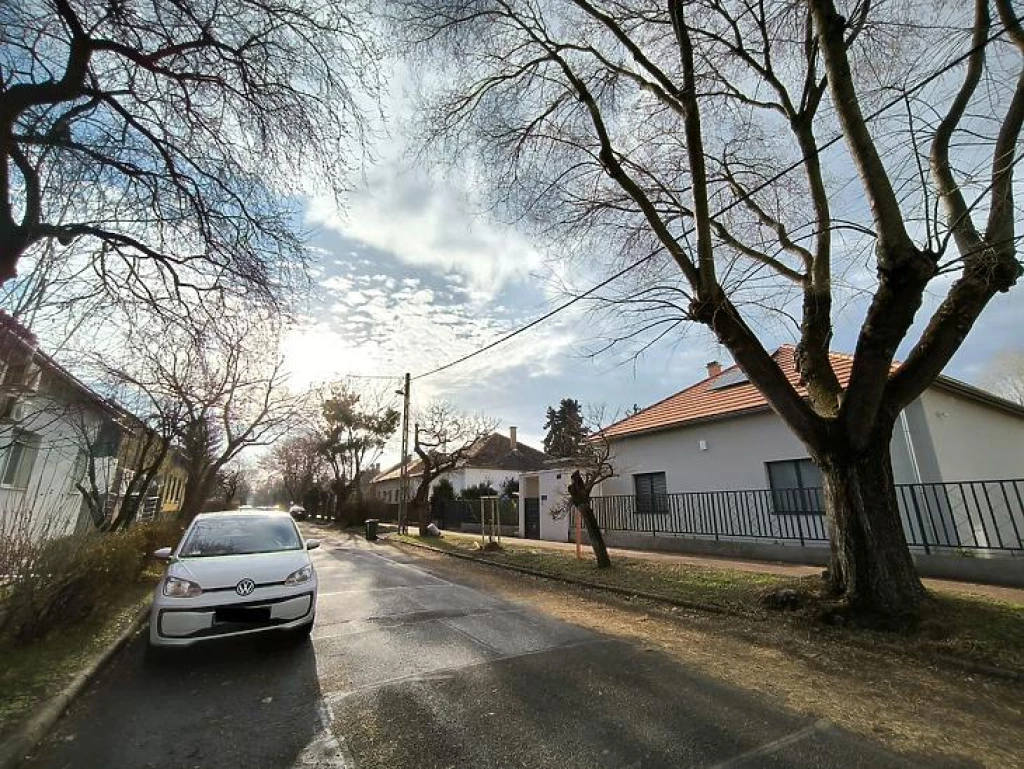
[403, 492]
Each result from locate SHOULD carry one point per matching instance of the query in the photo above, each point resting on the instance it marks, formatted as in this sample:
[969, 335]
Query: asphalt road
[407, 669]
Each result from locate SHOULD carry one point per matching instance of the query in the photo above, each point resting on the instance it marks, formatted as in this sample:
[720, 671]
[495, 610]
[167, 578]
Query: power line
[392, 377]
[784, 172]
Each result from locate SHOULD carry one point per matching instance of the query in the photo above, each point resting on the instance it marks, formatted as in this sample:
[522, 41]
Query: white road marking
[326, 751]
[819, 726]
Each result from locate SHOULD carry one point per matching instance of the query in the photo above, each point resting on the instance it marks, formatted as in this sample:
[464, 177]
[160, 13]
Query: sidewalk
[1008, 594]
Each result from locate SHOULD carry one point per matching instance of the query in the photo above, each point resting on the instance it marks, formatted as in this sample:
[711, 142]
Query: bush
[61, 580]
[356, 513]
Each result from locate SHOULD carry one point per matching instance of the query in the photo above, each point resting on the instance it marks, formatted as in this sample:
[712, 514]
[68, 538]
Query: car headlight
[176, 587]
[305, 574]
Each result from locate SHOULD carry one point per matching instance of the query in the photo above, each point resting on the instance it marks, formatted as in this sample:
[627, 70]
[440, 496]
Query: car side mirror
[164, 553]
[312, 544]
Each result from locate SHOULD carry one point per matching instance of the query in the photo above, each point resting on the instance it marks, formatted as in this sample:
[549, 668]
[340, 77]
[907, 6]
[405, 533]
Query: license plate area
[242, 615]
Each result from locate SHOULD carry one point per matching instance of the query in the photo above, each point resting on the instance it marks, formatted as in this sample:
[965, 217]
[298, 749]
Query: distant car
[298, 512]
[234, 574]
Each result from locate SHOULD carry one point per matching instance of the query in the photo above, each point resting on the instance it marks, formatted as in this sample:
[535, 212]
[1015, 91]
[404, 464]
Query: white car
[234, 574]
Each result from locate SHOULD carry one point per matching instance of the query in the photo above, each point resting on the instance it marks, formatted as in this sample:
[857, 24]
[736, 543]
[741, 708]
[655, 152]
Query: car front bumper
[183, 622]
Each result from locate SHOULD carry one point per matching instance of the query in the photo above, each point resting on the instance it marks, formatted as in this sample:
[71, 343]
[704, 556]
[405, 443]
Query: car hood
[224, 571]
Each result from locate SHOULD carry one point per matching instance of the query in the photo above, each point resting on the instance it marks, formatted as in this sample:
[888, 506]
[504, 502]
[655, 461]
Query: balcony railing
[967, 515]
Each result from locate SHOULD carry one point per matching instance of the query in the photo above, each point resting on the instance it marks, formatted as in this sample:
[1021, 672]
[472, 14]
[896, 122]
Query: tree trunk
[871, 566]
[595, 535]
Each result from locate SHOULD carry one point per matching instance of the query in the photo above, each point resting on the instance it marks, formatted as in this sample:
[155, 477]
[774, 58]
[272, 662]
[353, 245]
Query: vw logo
[245, 587]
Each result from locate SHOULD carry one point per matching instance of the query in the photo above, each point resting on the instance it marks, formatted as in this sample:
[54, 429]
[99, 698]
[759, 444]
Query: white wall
[550, 486]
[972, 441]
[733, 459]
[49, 505]
[460, 479]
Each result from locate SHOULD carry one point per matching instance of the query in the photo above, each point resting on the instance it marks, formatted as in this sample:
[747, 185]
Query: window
[651, 492]
[17, 458]
[240, 535]
[796, 486]
[78, 470]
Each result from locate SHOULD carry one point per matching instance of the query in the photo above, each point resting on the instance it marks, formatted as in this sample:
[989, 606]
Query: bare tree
[233, 483]
[296, 463]
[1005, 375]
[444, 439]
[692, 138]
[227, 386]
[167, 133]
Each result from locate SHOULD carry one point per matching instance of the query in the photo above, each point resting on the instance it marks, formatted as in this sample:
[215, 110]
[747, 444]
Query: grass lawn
[32, 673]
[976, 629]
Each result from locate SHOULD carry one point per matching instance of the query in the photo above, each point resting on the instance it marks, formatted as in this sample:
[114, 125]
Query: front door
[532, 510]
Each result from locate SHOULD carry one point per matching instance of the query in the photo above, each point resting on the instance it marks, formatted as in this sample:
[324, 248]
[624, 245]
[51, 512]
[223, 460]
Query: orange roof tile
[702, 401]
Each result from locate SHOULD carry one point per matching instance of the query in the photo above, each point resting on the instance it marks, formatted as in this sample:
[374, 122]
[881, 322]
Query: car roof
[250, 513]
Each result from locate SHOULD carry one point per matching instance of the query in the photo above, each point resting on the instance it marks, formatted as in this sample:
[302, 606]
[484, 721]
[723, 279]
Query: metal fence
[454, 513]
[968, 515]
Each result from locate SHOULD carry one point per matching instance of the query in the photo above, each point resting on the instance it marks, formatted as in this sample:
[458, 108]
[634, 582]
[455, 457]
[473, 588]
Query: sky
[412, 275]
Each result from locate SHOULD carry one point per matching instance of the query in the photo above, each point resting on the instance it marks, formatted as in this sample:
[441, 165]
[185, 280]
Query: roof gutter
[970, 391]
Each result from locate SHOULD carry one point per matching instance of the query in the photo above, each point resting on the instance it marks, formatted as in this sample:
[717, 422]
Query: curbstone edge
[17, 746]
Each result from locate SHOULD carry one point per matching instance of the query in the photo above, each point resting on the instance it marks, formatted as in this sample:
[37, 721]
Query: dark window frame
[18, 459]
[803, 499]
[652, 502]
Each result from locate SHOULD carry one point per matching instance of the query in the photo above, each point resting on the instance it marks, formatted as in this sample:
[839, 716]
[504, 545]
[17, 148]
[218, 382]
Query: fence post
[920, 520]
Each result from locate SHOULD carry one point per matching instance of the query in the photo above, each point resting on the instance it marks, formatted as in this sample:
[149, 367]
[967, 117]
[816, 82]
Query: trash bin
[371, 528]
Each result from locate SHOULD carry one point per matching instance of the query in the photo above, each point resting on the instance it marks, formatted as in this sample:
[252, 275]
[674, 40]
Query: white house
[714, 460]
[57, 436]
[492, 460]
[47, 420]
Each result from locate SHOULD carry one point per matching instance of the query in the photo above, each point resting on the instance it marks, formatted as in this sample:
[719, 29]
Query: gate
[532, 522]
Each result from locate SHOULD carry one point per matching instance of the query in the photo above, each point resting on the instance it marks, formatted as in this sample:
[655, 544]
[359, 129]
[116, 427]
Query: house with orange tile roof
[715, 458]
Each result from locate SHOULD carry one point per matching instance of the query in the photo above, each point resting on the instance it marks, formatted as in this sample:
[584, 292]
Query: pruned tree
[712, 145]
[354, 428]
[444, 439]
[165, 136]
[592, 463]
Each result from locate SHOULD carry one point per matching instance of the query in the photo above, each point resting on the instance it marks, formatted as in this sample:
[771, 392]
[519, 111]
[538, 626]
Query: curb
[965, 666]
[15, 748]
[628, 592]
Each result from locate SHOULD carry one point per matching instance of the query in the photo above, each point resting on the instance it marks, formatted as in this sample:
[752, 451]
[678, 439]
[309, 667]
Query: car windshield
[240, 535]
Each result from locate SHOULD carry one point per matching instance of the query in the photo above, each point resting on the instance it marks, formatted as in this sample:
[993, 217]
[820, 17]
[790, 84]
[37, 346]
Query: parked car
[235, 573]
[298, 512]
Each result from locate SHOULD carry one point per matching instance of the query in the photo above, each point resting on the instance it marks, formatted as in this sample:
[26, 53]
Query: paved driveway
[407, 669]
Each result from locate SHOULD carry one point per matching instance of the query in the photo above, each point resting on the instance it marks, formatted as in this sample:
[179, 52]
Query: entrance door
[532, 511]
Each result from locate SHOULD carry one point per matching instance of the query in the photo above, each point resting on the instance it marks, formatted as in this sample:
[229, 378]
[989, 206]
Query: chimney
[714, 368]
[512, 437]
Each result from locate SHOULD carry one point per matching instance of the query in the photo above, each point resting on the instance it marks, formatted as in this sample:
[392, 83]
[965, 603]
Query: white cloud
[430, 228]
